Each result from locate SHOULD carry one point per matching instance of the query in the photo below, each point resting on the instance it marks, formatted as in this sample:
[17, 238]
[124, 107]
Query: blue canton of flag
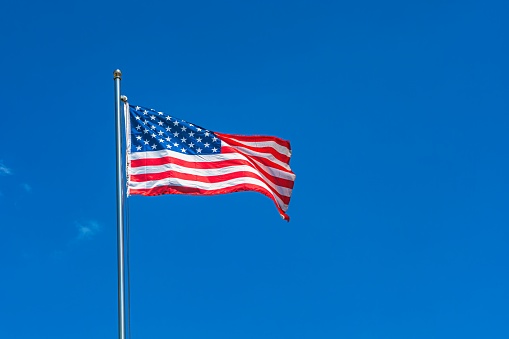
[155, 131]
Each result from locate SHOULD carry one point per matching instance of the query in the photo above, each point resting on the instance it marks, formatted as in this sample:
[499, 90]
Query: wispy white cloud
[27, 187]
[87, 229]
[4, 170]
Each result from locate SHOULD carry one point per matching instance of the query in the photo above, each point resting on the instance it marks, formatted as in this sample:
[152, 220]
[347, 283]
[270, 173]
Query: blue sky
[397, 115]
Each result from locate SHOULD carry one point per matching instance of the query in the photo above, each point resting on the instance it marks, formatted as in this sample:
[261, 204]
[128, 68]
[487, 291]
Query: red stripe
[196, 191]
[205, 179]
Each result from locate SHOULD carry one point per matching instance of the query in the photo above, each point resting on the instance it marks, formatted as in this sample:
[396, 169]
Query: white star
[206, 144]
[153, 135]
[152, 117]
[214, 139]
[198, 139]
[137, 108]
[138, 137]
[214, 150]
[145, 142]
[198, 150]
[191, 125]
[168, 139]
[175, 144]
[191, 145]
[160, 123]
[138, 117]
[161, 140]
[154, 146]
[153, 127]
[183, 139]
[183, 150]
[183, 128]
[198, 129]
[145, 131]
[168, 146]
[145, 112]
[160, 132]
[176, 134]
[168, 118]
[138, 127]
[175, 123]
[207, 133]
[145, 122]
[160, 113]
[191, 134]
[138, 148]
[168, 129]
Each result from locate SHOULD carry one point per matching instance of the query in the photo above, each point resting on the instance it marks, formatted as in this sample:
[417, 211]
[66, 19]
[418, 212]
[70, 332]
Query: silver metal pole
[117, 76]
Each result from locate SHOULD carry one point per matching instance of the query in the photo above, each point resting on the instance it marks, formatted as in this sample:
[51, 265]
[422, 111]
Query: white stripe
[205, 186]
[210, 173]
[272, 144]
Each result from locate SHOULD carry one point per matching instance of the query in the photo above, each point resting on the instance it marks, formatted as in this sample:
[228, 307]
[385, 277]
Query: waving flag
[167, 155]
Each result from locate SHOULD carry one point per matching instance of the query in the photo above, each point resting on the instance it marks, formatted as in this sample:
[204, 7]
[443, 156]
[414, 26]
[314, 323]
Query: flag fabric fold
[167, 155]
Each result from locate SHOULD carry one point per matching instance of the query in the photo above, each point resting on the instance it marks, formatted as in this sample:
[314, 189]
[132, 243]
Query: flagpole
[117, 76]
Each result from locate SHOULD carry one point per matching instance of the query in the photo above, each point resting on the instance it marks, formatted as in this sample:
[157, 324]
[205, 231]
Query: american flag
[167, 155]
